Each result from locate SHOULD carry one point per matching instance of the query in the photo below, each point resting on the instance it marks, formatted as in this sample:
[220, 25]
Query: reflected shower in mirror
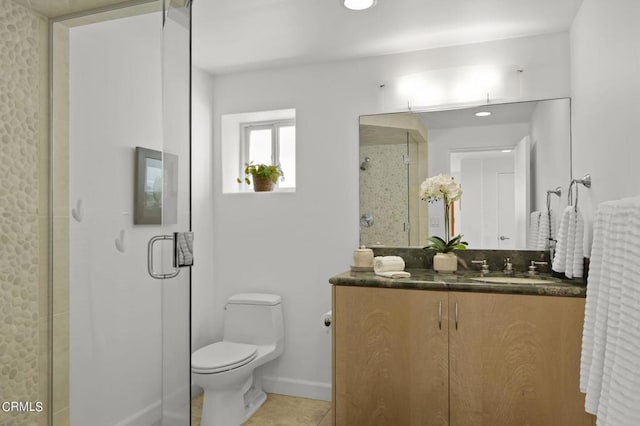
[506, 161]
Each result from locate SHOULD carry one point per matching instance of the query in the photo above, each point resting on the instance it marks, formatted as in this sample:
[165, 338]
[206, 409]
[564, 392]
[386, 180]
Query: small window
[271, 143]
[263, 137]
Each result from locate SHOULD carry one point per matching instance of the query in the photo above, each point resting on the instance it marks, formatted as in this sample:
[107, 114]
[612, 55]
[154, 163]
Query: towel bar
[585, 181]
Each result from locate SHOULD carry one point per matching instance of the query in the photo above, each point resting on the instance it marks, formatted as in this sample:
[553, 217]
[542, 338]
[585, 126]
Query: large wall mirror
[514, 166]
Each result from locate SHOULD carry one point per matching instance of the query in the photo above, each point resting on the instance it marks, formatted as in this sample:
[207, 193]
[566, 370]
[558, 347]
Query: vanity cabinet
[416, 357]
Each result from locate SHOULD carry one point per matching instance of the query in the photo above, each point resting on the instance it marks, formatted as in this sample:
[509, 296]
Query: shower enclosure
[120, 176]
[392, 165]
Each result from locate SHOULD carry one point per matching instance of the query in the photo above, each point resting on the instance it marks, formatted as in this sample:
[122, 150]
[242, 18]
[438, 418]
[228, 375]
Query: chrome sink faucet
[484, 268]
[508, 266]
[533, 270]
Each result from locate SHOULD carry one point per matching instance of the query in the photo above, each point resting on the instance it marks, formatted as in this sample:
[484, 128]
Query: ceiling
[239, 35]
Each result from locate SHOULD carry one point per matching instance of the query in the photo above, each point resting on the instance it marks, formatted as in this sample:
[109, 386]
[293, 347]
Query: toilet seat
[222, 356]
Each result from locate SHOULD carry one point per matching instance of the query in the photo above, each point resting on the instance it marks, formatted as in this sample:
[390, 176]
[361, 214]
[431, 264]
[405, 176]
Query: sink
[511, 280]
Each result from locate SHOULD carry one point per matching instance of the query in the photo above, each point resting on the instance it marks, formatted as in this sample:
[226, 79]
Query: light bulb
[358, 4]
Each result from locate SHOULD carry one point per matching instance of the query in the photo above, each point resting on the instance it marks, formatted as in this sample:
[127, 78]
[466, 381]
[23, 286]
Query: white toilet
[253, 336]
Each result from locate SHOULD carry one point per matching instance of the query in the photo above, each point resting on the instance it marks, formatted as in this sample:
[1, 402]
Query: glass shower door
[176, 294]
[120, 177]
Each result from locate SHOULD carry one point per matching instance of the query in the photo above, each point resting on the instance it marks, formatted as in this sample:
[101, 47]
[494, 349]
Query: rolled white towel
[388, 264]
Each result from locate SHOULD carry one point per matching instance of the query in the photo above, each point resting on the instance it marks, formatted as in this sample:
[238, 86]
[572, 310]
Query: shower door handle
[182, 253]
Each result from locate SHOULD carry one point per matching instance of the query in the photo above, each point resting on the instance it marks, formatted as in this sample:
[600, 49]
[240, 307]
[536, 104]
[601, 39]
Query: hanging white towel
[609, 373]
[560, 258]
[543, 231]
[546, 229]
[569, 254]
[575, 269]
[534, 226]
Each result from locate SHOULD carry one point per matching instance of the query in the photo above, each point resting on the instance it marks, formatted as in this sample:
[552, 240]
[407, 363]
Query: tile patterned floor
[280, 410]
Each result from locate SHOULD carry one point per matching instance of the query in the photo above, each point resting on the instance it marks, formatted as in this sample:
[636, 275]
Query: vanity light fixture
[483, 114]
[358, 4]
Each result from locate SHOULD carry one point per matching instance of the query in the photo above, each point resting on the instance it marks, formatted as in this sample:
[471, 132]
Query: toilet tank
[254, 318]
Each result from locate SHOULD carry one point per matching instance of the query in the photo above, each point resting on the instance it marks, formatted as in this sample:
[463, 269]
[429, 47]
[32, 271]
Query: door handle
[456, 315]
[502, 238]
[182, 253]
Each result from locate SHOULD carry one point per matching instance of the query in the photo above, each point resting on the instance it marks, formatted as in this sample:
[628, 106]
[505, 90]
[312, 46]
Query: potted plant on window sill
[264, 176]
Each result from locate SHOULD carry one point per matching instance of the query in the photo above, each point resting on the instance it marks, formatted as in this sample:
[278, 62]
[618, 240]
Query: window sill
[275, 191]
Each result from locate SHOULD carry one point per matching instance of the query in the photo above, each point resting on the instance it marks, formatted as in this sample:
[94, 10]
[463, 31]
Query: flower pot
[445, 262]
[262, 184]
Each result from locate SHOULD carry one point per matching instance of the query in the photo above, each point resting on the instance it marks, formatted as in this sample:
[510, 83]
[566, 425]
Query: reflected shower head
[365, 164]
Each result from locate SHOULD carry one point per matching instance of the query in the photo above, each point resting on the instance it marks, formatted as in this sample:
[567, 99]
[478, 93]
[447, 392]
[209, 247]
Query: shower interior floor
[280, 410]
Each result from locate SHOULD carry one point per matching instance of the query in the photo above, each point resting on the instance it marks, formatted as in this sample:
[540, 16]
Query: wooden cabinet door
[390, 357]
[515, 360]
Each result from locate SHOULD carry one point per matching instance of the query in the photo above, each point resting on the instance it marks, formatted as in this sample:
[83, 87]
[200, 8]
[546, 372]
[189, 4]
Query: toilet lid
[222, 356]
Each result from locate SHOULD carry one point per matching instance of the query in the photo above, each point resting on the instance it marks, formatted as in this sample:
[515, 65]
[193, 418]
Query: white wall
[292, 243]
[605, 65]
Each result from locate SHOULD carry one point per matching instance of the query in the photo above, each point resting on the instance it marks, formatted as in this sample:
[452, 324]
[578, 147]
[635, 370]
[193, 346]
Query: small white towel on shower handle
[388, 264]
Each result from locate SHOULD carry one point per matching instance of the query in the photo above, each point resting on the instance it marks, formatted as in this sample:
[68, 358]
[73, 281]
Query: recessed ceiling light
[506, 150]
[358, 4]
[483, 114]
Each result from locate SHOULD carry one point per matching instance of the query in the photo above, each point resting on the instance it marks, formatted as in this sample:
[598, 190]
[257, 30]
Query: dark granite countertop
[426, 279]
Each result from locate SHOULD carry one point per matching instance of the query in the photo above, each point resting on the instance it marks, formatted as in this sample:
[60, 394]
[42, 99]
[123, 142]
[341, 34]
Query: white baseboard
[295, 387]
[149, 415]
[152, 413]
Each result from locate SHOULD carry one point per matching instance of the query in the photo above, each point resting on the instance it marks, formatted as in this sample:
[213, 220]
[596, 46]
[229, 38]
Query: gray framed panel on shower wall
[155, 187]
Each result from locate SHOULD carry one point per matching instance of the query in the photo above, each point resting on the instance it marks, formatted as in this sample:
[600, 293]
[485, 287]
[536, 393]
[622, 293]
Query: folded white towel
[387, 264]
[394, 274]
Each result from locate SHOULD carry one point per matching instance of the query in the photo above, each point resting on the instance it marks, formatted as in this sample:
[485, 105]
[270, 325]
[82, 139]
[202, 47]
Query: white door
[506, 211]
[522, 192]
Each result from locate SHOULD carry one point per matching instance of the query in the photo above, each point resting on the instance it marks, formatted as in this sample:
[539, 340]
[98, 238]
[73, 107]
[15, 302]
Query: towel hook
[585, 181]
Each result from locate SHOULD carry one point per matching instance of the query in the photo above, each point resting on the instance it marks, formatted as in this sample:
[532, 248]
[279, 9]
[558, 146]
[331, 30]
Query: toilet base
[231, 407]
[253, 399]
